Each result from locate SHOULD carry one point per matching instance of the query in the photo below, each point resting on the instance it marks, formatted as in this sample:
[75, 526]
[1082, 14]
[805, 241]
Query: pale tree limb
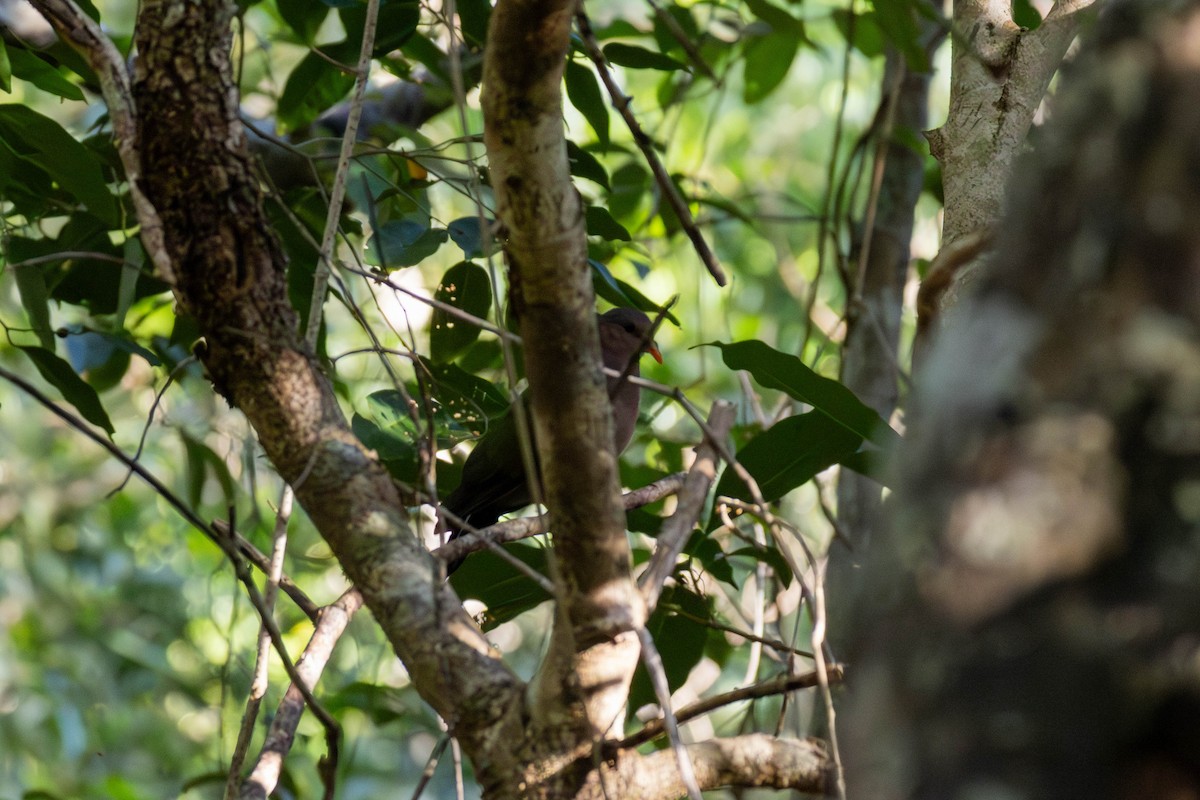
[259, 683]
[264, 777]
[585, 677]
[85, 35]
[998, 78]
[675, 531]
[751, 760]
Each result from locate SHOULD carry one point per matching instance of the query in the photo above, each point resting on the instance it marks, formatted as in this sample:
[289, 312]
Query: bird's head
[624, 331]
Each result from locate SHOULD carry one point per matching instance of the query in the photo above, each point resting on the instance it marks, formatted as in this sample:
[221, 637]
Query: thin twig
[331, 624]
[338, 194]
[259, 683]
[675, 531]
[784, 683]
[621, 102]
[514, 530]
[658, 678]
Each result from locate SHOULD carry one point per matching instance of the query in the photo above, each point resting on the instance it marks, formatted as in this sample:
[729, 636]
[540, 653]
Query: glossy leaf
[466, 287]
[601, 223]
[42, 141]
[583, 90]
[776, 370]
[73, 388]
[28, 67]
[788, 454]
[403, 243]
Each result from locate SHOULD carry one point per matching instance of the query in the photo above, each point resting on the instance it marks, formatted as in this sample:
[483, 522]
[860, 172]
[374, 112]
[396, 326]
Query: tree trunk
[1036, 615]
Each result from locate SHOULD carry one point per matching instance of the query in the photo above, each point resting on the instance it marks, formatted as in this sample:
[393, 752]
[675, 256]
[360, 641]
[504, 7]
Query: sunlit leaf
[583, 90]
[28, 67]
[466, 287]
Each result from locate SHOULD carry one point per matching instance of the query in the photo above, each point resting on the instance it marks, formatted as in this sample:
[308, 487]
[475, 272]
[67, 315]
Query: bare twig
[85, 35]
[675, 531]
[259, 683]
[516, 529]
[338, 194]
[621, 102]
[330, 626]
[658, 678]
[784, 683]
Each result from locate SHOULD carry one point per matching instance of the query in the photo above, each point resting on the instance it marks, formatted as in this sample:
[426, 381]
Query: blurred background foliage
[127, 645]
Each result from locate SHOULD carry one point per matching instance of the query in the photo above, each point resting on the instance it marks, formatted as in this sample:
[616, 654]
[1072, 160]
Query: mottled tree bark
[1036, 613]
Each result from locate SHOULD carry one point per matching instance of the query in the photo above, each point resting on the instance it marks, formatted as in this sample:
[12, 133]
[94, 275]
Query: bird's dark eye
[629, 328]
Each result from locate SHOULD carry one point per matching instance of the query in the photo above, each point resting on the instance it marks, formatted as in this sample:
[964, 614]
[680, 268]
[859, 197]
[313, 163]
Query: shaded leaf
[898, 21]
[313, 86]
[788, 454]
[28, 67]
[776, 370]
[620, 293]
[862, 31]
[472, 235]
[506, 592]
[42, 141]
[601, 223]
[680, 640]
[584, 165]
[466, 287]
[73, 388]
[35, 299]
[403, 243]
[634, 57]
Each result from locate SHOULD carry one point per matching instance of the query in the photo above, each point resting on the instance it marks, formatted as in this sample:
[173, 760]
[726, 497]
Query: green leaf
[680, 641]
[472, 235]
[5, 69]
[466, 287]
[899, 23]
[73, 388]
[584, 165]
[303, 17]
[620, 293]
[601, 223]
[788, 454]
[768, 60]
[862, 31]
[403, 243]
[776, 370]
[134, 259]
[630, 185]
[506, 591]
[42, 141]
[634, 57]
[201, 462]
[584, 92]
[35, 299]
[396, 23]
[28, 67]
[779, 20]
[313, 86]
